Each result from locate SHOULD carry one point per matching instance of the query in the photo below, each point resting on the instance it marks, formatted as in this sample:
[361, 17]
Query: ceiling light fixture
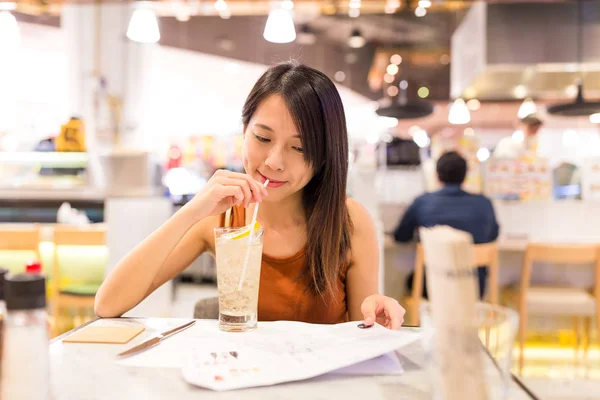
[220, 5]
[402, 108]
[580, 107]
[356, 40]
[143, 25]
[459, 113]
[306, 36]
[280, 27]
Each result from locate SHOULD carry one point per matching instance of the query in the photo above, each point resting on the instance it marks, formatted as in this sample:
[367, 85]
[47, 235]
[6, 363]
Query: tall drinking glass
[238, 305]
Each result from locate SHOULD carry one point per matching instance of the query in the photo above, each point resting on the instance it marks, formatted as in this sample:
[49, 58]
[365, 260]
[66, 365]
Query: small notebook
[104, 334]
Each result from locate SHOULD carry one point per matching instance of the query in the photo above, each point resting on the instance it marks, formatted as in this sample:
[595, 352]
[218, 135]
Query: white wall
[192, 93]
[33, 82]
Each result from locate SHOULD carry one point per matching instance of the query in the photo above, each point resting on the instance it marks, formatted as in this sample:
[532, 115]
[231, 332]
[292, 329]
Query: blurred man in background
[451, 206]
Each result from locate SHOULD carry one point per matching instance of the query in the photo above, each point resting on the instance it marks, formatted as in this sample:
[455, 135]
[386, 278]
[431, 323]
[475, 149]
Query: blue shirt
[454, 207]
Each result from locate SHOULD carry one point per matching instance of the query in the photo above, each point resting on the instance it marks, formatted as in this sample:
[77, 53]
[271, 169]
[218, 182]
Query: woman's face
[273, 150]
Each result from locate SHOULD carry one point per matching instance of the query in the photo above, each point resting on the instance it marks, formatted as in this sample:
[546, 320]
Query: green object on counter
[84, 289]
[80, 265]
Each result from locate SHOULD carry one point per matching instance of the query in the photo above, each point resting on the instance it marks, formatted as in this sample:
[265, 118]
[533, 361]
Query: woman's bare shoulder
[360, 217]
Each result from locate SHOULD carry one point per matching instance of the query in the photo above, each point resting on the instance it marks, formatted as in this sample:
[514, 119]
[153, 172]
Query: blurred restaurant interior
[113, 114]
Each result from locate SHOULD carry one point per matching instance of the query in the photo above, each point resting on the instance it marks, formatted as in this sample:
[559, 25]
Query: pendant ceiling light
[580, 107]
[143, 25]
[356, 39]
[402, 108]
[280, 25]
[459, 113]
[306, 36]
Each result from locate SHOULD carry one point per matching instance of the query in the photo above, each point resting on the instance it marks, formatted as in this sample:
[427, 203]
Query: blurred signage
[72, 136]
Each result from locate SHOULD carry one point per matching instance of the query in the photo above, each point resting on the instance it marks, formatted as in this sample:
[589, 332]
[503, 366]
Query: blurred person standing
[510, 147]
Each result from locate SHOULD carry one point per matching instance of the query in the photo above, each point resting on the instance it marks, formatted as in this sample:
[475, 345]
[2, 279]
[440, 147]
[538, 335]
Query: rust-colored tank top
[283, 295]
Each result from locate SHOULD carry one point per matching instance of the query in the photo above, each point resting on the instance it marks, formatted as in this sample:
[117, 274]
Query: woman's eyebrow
[268, 128]
[265, 127]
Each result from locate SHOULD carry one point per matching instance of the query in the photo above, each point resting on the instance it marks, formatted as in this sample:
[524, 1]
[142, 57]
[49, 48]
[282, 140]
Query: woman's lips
[272, 183]
[275, 184]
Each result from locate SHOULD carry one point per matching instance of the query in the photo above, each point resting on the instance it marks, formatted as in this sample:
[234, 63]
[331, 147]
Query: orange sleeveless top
[283, 294]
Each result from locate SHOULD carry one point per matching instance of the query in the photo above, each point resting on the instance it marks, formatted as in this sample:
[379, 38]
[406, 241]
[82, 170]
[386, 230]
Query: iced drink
[238, 306]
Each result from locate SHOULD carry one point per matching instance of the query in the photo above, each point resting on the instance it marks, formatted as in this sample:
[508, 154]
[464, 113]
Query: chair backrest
[21, 239]
[559, 254]
[483, 254]
[562, 253]
[67, 235]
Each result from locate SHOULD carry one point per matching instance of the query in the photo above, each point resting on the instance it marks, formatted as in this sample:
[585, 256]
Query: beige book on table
[452, 291]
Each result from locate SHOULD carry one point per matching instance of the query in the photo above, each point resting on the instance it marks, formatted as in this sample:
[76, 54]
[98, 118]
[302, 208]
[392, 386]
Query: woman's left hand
[383, 310]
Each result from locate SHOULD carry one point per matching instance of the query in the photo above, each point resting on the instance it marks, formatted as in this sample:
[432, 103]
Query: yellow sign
[72, 137]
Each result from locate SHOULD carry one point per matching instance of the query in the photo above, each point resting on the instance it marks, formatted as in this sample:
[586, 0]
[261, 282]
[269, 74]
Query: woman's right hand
[224, 190]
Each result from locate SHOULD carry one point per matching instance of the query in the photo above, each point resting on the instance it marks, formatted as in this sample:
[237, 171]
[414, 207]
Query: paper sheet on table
[387, 364]
[171, 357]
[289, 351]
[276, 352]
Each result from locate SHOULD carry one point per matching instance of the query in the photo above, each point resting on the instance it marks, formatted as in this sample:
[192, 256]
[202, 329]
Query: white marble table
[89, 371]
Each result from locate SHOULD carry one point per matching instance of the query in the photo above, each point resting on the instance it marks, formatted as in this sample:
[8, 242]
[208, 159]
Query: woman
[320, 254]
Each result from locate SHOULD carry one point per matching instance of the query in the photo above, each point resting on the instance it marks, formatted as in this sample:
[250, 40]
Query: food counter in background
[35, 184]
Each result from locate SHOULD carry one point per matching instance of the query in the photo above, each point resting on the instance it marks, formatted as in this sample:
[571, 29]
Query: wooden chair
[483, 254]
[14, 238]
[76, 295]
[558, 301]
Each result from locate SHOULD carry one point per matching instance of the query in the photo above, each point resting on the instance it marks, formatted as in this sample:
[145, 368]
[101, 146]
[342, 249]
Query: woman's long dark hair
[318, 113]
